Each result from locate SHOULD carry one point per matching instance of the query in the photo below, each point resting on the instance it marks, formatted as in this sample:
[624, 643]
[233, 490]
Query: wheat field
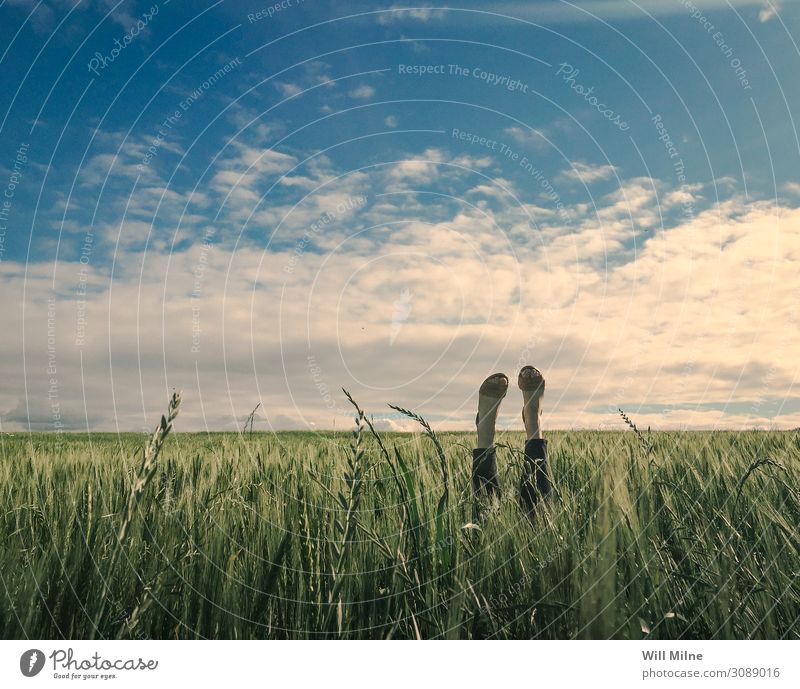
[361, 535]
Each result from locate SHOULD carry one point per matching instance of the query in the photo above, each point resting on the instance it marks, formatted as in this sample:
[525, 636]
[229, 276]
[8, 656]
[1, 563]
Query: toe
[495, 385]
[530, 378]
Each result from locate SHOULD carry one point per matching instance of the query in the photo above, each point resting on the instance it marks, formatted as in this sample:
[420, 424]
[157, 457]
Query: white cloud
[556, 13]
[792, 188]
[413, 170]
[704, 315]
[428, 166]
[499, 188]
[397, 13]
[473, 162]
[769, 10]
[390, 121]
[727, 183]
[288, 90]
[312, 74]
[534, 138]
[587, 173]
[362, 92]
[239, 175]
[616, 308]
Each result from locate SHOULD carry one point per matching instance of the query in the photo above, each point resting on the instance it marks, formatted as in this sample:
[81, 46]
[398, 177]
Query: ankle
[485, 437]
[532, 418]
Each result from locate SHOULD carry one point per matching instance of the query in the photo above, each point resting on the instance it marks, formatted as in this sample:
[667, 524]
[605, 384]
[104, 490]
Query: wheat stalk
[147, 469]
[350, 501]
[144, 475]
[250, 419]
[647, 442]
[432, 435]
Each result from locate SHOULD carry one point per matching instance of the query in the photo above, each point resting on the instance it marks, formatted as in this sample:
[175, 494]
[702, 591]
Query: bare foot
[491, 393]
[531, 382]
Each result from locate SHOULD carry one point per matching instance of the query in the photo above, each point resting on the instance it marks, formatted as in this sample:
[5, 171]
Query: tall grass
[300, 535]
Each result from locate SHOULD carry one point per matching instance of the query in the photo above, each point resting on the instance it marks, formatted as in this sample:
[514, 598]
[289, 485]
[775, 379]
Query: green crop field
[338, 535]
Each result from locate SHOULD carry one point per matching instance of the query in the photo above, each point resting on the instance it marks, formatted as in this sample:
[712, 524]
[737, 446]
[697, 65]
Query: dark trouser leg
[484, 471]
[535, 474]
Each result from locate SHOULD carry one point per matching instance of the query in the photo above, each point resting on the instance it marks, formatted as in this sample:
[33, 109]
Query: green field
[301, 535]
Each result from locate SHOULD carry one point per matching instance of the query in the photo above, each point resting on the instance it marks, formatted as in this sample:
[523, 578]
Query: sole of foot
[491, 392]
[495, 386]
[531, 382]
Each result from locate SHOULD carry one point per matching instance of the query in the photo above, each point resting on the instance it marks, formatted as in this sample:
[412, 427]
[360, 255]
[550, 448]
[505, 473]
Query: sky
[262, 203]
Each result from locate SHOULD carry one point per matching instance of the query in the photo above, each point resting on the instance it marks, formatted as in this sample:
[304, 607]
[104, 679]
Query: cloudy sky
[260, 202]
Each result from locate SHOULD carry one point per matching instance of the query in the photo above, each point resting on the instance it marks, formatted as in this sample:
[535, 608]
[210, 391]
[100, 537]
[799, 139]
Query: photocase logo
[401, 310]
[31, 662]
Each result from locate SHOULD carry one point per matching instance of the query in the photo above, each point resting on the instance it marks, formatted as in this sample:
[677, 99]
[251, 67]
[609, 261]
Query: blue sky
[261, 202]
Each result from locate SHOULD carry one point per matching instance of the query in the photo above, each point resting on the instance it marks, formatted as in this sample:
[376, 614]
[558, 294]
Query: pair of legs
[535, 482]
